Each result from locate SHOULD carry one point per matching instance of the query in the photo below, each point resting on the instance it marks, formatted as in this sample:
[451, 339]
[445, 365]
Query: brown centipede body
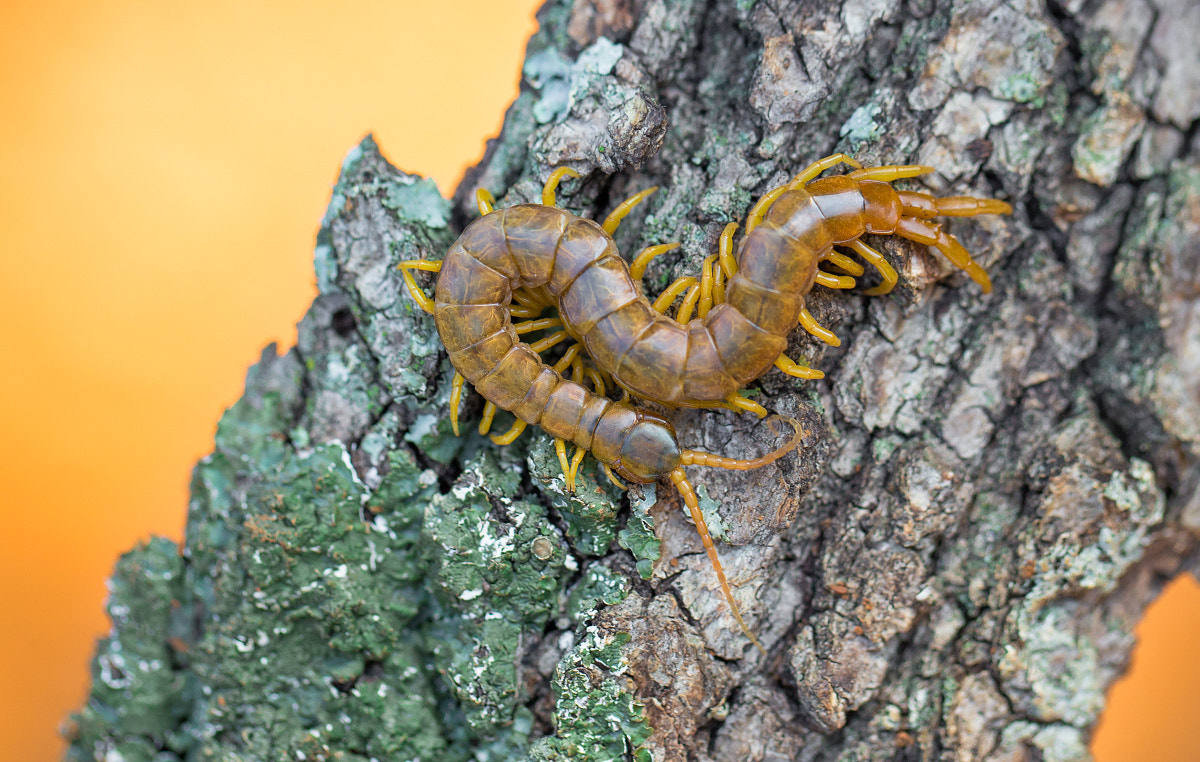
[513, 262]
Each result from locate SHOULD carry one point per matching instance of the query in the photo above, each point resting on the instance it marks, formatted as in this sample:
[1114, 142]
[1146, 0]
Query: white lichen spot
[470, 595]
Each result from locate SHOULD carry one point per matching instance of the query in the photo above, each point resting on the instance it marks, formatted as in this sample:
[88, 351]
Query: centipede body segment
[730, 329]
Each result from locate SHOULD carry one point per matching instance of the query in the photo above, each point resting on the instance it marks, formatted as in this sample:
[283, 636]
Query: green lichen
[598, 718]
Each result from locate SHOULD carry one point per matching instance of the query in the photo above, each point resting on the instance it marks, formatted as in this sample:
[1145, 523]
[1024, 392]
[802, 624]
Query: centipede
[731, 327]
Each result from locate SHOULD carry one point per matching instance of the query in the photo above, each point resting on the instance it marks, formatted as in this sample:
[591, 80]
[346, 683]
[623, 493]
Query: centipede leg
[932, 234]
[811, 325]
[552, 182]
[689, 304]
[485, 200]
[891, 172]
[820, 165]
[796, 370]
[881, 265]
[485, 420]
[707, 284]
[511, 435]
[829, 280]
[613, 477]
[760, 208]
[672, 292]
[406, 267]
[624, 208]
[637, 268]
[570, 470]
[684, 487]
[844, 263]
[456, 387]
[745, 404]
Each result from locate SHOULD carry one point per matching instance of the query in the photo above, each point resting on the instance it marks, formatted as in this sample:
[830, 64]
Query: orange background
[163, 168]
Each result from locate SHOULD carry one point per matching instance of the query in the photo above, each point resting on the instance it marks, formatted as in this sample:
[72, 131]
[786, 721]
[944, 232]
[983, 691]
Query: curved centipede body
[746, 306]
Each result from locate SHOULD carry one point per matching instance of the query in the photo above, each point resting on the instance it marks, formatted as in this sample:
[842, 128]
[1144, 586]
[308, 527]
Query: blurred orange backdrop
[163, 168]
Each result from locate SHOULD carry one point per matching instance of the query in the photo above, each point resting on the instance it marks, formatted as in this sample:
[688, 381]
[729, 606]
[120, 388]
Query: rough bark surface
[950, 567]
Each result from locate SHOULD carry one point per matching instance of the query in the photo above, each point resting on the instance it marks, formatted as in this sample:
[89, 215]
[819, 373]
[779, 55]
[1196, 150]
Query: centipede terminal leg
[684, 487]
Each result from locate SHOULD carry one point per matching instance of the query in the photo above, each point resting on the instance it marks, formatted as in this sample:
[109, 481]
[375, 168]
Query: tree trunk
[991, 487]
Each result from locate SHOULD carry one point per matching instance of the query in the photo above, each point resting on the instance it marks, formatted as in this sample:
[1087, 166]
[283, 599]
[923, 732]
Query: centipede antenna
[624, 208]
[931, 234]
[456, 387]
[485, 200]
[684, 487]
[712, 460]
[552, 184]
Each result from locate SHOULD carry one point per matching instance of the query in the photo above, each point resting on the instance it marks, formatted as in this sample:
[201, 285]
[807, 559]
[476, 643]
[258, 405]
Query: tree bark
[991, 488]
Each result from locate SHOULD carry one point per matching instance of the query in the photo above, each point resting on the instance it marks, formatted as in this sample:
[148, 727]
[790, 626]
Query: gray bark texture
[991, 489]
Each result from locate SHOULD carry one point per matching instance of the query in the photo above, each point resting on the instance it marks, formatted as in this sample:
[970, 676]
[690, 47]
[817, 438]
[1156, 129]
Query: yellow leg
[829, 280]
[725, 251]
[552, 184]
[759, 210]
[689, 304]
[679, 479]
[820, 165]
[637, 268]
[537, 325]
[485, 200]
[668, 297]
[891, 172]
[844, 262]
[796, 370]
[485, 421]
[597, 381]
[612, 477]
[745, 404]
[406, 267]
[719, 286]
[811, 325]
[885, 269]
[541, 345]
[570, 470]
[568, 357]
[706, 286]
[511, 435]
[625, 207]
[933, 235]
[456, 387]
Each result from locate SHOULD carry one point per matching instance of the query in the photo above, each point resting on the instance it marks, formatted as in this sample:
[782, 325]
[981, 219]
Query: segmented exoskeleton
[746, 305]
